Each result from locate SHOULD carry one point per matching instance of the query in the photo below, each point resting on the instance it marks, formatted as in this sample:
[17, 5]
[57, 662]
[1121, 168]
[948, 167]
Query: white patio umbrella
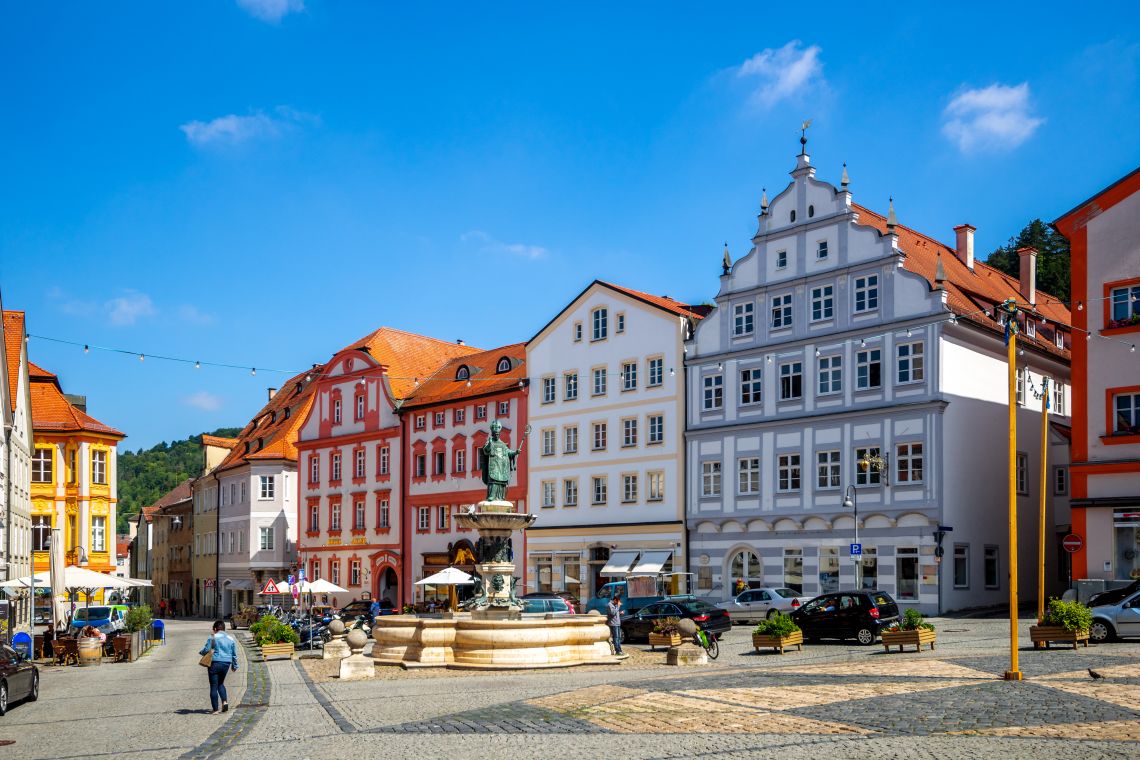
[449, 576]
[41, 578]
[82, 579]
[321, 586]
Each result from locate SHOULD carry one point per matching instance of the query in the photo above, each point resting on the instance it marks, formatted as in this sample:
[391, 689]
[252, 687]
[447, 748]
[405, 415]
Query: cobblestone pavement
[832, 698]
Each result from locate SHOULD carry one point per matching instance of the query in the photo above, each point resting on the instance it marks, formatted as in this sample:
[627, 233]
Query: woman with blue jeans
[224, 660]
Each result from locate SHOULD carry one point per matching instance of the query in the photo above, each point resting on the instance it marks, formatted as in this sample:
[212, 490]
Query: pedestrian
[374, 609]
[613, 620]
[224, 659]
[161, 609]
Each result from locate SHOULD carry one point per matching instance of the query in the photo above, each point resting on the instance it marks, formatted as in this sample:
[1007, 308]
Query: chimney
[272, 393]
[459, 342]
[1027, 269]
[964, 244]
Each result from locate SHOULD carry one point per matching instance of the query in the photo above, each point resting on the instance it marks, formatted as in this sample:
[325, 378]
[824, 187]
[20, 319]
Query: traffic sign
[291, 580]
[856, 549]
[1072, 543]
[270, 588]
[301, 574]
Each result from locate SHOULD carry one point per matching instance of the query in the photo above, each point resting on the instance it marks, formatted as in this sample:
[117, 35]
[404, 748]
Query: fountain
[492, 632]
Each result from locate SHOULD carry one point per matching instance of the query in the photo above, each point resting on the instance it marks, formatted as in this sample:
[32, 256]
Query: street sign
[301, 574]
[291, 580]
[856, 549]
[270, 588]
[1072, 543]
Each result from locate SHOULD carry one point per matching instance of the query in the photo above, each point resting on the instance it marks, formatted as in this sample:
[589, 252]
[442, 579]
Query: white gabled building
[843, 341]
[606, 466]
[15, 464]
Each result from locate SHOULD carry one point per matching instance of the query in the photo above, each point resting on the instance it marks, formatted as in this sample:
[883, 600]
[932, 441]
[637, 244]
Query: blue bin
[158, 631]
[22, 643]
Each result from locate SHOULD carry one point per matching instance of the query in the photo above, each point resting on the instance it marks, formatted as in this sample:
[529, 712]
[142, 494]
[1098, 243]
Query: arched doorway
[387, 586]
[744, 568]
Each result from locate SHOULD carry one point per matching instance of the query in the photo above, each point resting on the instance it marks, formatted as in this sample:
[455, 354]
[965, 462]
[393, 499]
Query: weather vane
[803, 136]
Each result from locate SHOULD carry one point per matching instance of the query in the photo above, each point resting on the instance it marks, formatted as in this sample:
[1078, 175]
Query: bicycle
[708, 642]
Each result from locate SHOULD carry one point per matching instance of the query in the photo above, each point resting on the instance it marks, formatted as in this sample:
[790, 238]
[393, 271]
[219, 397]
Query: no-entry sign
[1072, 543]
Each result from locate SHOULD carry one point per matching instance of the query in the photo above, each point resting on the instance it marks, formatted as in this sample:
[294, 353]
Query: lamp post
[850, 501]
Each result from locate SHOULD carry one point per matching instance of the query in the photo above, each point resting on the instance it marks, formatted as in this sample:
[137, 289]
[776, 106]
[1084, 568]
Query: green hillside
[144, 476]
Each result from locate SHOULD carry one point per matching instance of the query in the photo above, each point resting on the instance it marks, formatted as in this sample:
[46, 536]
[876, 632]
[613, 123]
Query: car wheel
[1101, 631]
[773, 613]
[3, 697]
[34, 694]
[865, 636]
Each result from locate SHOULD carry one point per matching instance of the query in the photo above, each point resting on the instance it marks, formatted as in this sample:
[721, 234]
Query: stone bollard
[688, 652]
[336, 647]
[357, 666]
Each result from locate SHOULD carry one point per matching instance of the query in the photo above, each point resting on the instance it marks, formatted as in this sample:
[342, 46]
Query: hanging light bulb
[671, 372]
[86, 349]
[908, 332]
[197, 365]
[862, 343]
[468, 383]
[1132, 348]
[253, 370]
[817, 353]
[719, 366]
[1080, 305]
[769, 358]
[953, 319]
[308, 377]
[1088, 335]
[142, 357]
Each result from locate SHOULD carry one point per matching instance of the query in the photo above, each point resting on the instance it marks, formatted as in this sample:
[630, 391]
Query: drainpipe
[8, 532]
[405, 515]
[217, 546]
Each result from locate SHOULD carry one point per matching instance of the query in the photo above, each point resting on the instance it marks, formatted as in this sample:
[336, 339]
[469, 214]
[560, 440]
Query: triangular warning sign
[270, 587]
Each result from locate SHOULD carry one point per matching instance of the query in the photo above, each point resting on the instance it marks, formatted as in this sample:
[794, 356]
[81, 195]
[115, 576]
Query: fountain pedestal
[495, 580]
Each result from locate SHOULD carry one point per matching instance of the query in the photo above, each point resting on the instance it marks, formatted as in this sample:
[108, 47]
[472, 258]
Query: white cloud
[235, 130]
[783, 72]
[195, 316]
[995, 117]
[271, 10]
[203, 400]
[129, 308]
[74, 307]
[489, 244]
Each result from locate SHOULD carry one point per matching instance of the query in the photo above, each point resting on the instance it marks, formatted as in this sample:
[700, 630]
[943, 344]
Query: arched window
[462, 373]
[811, 211]
[745, 566]
[503, 366]
[793, 215]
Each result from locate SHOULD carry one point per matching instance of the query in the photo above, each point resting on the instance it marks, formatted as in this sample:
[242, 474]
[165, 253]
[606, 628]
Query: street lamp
[851, 502]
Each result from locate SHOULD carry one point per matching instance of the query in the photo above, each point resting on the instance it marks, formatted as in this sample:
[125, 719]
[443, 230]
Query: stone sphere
[336, 627]
[357, 638]
[595, 613]
[687, 628]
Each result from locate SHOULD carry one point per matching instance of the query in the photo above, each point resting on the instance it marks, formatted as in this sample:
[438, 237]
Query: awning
[619, 563]
[652, 561]
[241, 585]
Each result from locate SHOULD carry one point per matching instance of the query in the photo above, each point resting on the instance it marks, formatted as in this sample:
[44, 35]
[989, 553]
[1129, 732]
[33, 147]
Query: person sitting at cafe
[93, 632]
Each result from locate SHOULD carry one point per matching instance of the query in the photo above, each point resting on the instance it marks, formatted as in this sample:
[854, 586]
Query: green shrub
[270, 630]
[777, 625]
[912, 620]
[137, 618]
[1072, 616]
[667, 626]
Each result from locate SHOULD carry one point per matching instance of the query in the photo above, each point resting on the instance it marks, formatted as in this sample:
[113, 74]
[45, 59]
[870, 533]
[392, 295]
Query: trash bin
[22, 643]
[158, 633]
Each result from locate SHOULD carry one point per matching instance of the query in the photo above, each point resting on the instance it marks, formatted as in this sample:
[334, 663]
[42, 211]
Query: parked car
[858, 615]
[565, 597]
[760, 603]
[712, 620]
[355, 610]
[19, 678]
[1116, 620]
[1115, 595]
[549, 604]
[107, 619]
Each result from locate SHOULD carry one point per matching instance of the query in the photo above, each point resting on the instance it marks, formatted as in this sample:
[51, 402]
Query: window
[385, 513]
[315, 468]
[463, 373]
[334, 571]
[41, 533]
[830, 375]
[354, 573]
[791, 380]
[443, 518]
[600, 382]
[1022, 472]
[99, 467]
[714, 392]
[628, 489]
[570, 440]
[751, 386]
[358, 515]
[439, 420]
[334, 516]
[742, 318]
[991, 567]
[459, 416]
[822, 302]
[570, 383]
[827, 469]
[599, 436]
[629, 432]
[908, 463]
[867, 475]
[961, 565]
[1030, 327]
[336, 411]
[748, 475]
[710, 479]
[42, 465]
[868, 369]
[504, 408]
[600, 320]
[314, 518]
[656, 486]
[335, 475]
[265, 542]
[243, 485]
[620, 325]
[629, 376]
[359, 464]
[440, 463]
[385, 459]
[423, 518]
[360, 407]
[1127, 408]
[656, 423]
[421, 421]
[1021, 385]
[1060, 480]
[781, 259]
[577, 331]
[547, 443]
[788, 472]
[910, 363]
[460, 461]
[794, 569]
[481, 412]
[821, 250]
[548, 390]
[1125, 302]
[73, 466]
[656, 372]
[906, 573]
[98, 534]
[267, 487]
[599, 490]
[782, 311]
[1058, 397]
[867, 293]
[421, 465]
[1059, 338]
[570, 492]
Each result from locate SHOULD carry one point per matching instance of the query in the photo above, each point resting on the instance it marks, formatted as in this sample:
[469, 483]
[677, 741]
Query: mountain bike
[708, 642]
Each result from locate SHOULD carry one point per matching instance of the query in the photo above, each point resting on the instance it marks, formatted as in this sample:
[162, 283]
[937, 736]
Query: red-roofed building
[15, 464]
[1104, 239]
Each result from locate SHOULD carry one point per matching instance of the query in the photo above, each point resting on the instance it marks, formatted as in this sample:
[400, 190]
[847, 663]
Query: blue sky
[259, 182]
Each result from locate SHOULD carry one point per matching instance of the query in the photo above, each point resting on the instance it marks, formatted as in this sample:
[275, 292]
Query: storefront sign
[333, 541]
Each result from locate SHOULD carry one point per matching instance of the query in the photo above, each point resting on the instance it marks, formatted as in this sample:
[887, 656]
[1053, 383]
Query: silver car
[1113, 620]
[761, 603]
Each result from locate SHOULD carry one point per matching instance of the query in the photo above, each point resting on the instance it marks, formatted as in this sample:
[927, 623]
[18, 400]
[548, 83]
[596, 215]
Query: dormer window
[463, 373]
[1059, 338]
[504, 365]
[287, 412]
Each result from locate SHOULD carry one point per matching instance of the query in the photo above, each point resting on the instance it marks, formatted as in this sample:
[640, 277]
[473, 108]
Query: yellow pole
[1041, 512]
[1014, 673]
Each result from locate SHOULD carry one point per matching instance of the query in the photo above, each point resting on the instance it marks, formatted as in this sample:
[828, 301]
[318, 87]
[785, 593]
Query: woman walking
[224, 659]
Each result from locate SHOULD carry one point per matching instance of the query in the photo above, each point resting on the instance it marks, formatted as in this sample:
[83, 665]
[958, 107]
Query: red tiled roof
[443, 387]
[53, 413]
[13, 345]
[218, 441]
[408, 357]
[122, 545]
[176, 495]
[662, 302]
[272, 433]
[969, 292]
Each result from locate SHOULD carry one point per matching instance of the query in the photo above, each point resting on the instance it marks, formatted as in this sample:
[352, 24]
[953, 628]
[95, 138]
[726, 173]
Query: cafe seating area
[65, 650]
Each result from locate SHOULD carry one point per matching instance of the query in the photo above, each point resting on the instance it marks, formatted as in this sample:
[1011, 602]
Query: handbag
[208, 658]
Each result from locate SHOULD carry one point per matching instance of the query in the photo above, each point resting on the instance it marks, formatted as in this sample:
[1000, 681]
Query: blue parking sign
[292, 580]
[856, 550]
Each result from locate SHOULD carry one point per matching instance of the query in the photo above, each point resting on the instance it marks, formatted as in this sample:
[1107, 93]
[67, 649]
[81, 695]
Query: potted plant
[778, 631]
[666, 633]
[275, 638]
[912, 630]
[1064, 621]
[135, 623]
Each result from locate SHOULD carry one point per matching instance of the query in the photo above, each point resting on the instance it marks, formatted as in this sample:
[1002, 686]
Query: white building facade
[15, 466]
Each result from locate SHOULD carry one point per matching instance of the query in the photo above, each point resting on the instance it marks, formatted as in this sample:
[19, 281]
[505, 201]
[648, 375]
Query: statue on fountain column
[497, 461]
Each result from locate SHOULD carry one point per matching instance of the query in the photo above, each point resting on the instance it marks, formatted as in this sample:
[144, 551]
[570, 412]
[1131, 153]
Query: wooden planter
[667, 640]
[1043, 634]
[277, 650]
[915, 638]
[778, 643]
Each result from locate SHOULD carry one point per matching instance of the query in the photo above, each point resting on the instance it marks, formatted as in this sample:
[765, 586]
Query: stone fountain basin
[511, 521]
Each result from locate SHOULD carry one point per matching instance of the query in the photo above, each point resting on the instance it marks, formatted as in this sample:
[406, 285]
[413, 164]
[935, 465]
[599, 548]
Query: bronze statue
[496, 462]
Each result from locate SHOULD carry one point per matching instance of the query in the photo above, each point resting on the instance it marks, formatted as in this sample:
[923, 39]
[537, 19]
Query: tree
[1052, 257]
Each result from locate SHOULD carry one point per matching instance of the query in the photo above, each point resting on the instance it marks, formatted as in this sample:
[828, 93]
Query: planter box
[1043, 634]
[664, 640]
[277, 650]
[914, 638]
[778, 643]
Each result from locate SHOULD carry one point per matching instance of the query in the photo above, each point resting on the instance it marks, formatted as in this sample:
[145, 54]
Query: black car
[711, 619]
[858, 615]
[353, 610]
[19, 678]
[1114, 596]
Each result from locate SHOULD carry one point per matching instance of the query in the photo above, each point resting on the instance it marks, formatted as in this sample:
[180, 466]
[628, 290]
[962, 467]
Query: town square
[647, 380]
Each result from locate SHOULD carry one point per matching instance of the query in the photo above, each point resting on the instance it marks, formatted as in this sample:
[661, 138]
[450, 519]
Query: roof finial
[803, 136]
[939, 272]
[892, 220]
[844, 179]
[726, 262]
[764, 201]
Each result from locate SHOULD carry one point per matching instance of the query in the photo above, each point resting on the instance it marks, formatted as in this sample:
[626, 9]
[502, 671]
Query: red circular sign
[1072, 543]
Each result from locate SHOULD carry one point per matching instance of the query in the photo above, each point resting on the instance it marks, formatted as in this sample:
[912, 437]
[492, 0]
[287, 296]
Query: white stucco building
[15, 465]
